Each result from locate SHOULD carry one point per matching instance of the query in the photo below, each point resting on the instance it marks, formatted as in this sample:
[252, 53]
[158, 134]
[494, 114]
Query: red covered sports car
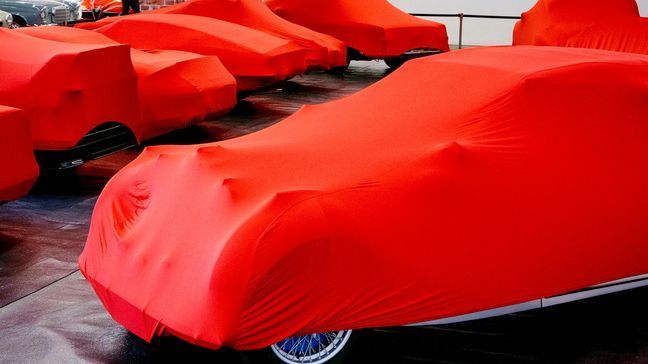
[256, 59]
[19, 168]
[603, 24]
[175, 88]
[372, 29]
[323, 51]
[380, 210]
[69, 116]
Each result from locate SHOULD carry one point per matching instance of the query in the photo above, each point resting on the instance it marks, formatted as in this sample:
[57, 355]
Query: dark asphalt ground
[49, 314]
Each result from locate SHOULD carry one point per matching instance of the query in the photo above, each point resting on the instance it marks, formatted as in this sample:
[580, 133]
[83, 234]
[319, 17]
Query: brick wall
[156, 4]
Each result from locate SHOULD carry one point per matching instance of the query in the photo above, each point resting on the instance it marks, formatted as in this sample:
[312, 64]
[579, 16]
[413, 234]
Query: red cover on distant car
[106, 6]
[50, 82]
[175, 88]
[375, 28]
[603, 24]
[19, 168]
[380, 210]
[256, 59]
[324, 51]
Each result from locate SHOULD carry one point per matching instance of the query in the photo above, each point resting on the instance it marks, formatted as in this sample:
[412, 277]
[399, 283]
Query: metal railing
[461, 17]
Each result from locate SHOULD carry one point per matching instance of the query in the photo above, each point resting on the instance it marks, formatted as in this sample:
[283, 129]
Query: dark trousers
[130, 4]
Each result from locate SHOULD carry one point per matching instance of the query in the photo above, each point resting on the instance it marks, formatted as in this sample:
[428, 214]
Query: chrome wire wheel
[312, 349]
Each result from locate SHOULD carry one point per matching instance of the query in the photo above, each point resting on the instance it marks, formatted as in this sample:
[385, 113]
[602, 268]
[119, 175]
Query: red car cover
[603, 24]
[50, 82]
[375, 28]
[256, 59]
[106, 6]
[323, 51]
[392, 206]
[19, 168]
[175, 88]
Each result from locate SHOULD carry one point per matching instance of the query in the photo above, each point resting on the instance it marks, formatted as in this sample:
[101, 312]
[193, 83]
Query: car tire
[395, 62]
[17, 23]
[329, 348]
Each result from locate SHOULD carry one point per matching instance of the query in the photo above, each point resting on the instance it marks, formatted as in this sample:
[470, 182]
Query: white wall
[478, 31]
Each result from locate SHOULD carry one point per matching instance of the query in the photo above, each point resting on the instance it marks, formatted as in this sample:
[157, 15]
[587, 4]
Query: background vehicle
[19, 168]
[70, 120]
[379, 31]
[614, 25]
[256, 59]
[27, 13]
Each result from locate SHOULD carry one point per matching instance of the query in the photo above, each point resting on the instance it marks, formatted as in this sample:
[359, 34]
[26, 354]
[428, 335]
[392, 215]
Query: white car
[6, 20]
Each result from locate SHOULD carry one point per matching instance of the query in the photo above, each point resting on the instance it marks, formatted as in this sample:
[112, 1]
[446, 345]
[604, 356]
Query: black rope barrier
[461, 17]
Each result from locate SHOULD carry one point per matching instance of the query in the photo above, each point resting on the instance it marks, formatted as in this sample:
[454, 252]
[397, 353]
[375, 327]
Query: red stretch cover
[256, 59]
[375, 28]
[602, 24]
[19, 168]
[392, 206]
[106, 6]
[53, 83]
[175, 88]
[323, 51]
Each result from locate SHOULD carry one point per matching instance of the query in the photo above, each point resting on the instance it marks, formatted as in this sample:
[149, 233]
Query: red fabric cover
[389, 207]
[106, 6]
[323, 51]
[602, 24]
[256, 59]
[175, 88]
[51, 82]
[375, 28]
[19, 168]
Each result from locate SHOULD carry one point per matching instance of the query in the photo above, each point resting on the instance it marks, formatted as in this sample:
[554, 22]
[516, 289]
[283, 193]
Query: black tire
[395, 62]
[339, 69]
[18, 22]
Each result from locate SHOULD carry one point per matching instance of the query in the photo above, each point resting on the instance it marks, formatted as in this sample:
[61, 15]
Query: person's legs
[126, 5]
[135, 5]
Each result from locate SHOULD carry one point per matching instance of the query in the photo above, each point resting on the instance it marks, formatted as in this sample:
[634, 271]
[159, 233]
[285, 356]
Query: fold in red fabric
[175, 88]
[323, 51]
[19, 168]
[613, 25]
[388, 207]
[375, 28]
[50, 82]
[256, 59]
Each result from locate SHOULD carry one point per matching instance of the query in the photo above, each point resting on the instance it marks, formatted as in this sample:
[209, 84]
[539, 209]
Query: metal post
[461, 18]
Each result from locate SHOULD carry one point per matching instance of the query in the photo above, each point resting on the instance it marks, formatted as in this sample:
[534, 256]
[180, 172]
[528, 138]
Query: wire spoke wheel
[312, 349]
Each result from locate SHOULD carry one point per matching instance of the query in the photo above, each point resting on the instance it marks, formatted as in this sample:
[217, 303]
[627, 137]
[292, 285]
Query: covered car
[100, 8]
[603, 24]
[373, 29]
[387, 208]
[19, 168]
[256, 59]
[65, 104]
[323, 51]
[25, 13]
[175, 88]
